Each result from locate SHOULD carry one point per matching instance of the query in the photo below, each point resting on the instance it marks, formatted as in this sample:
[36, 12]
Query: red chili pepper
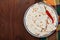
[47, 12]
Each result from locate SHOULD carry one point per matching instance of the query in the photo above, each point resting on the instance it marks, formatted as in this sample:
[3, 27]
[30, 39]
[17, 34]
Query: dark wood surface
[11, 20]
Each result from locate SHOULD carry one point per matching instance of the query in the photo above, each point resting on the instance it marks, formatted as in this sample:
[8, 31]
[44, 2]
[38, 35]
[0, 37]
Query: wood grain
[11, 20]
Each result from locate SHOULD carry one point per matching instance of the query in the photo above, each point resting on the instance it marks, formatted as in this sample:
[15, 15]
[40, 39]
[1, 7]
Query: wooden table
[11, 20]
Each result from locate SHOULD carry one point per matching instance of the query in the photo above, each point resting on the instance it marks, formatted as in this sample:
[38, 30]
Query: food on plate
[40, 19]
